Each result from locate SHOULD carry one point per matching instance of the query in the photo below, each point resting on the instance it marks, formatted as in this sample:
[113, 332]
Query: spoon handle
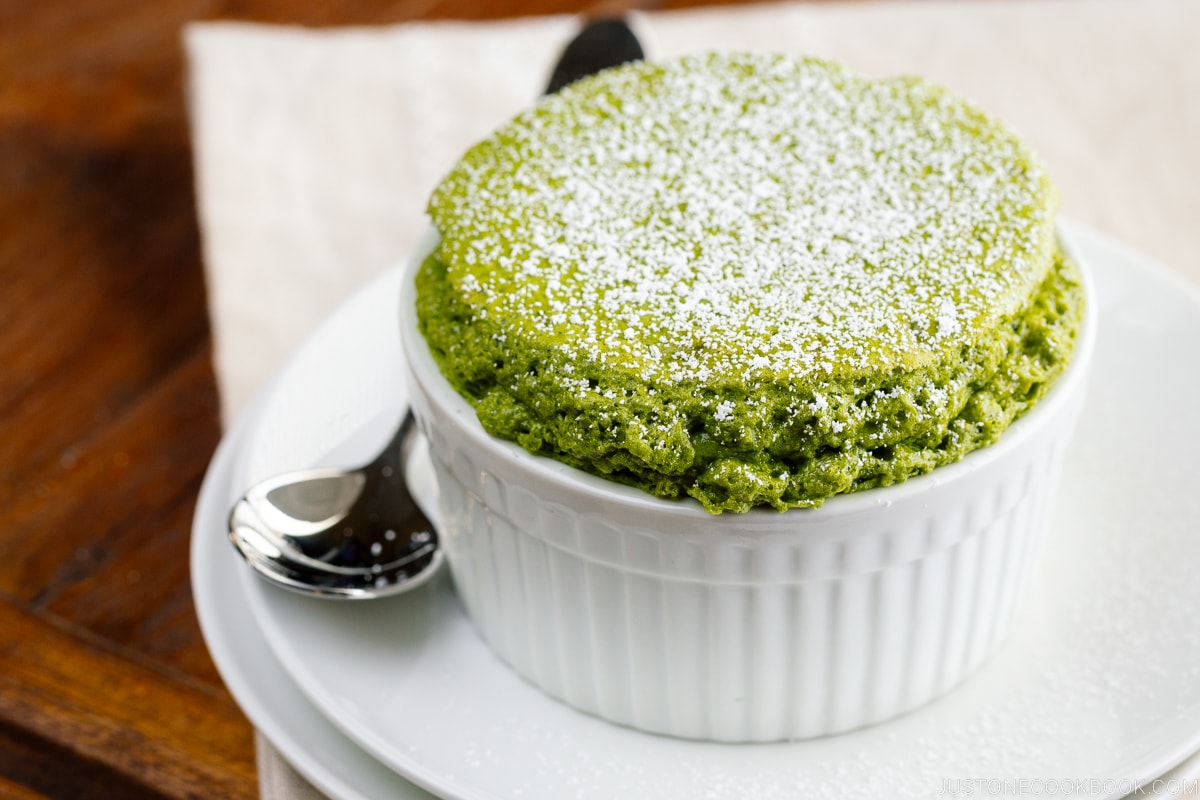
[603, 43]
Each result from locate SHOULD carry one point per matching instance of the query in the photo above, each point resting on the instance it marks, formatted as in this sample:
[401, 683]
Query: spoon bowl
[353, 534]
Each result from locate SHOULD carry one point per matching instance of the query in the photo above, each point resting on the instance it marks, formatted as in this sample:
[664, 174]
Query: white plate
[1100, 682]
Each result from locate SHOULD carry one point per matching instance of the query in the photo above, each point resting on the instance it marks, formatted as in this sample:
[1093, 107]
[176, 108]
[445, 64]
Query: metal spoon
[358, 534]
[339, 533]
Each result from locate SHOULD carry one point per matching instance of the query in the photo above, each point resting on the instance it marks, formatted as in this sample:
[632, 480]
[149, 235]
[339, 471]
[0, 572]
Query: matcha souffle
[757, 280]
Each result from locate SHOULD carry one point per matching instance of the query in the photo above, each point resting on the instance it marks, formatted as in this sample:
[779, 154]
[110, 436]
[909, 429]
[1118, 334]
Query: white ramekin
[739, 627]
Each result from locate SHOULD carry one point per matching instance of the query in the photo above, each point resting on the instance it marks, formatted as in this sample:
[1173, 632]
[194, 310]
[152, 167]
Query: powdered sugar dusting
[739, 217]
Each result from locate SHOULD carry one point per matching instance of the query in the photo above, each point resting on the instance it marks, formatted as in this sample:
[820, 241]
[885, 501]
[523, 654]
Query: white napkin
[315, 150]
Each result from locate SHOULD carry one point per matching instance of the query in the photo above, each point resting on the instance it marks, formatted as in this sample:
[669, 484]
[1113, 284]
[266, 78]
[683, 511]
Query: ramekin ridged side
[740, 627]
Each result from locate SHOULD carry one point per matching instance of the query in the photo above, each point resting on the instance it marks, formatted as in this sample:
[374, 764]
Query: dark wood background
[108, 408]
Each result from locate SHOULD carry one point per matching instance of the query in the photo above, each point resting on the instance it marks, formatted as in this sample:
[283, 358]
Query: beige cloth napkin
[315, 150]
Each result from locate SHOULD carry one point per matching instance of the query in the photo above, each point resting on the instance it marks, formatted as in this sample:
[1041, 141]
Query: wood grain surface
[108, 408]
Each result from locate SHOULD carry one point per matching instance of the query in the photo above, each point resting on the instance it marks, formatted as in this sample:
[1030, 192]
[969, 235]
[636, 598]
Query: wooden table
[108, 408]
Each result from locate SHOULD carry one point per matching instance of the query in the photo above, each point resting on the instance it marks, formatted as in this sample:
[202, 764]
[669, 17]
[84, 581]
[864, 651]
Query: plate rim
[206, 549]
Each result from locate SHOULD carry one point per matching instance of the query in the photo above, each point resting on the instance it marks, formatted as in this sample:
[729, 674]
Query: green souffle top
[758, 280]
